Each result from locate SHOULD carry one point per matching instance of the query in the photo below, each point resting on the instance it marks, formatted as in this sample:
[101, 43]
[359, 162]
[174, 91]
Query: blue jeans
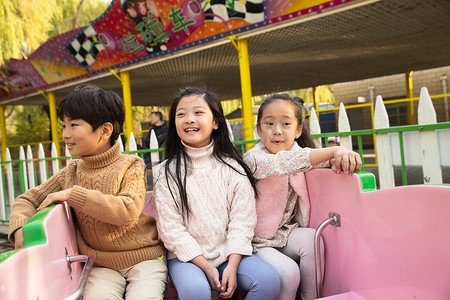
[254, 275]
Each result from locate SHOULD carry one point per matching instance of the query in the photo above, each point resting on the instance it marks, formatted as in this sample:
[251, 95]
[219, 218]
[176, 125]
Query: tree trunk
[75, 20]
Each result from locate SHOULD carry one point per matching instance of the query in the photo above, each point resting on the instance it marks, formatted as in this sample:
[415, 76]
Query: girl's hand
[211, 273]
[18, 239]
[229, 282]
[213, 278]
[53, 197]
[346, 160]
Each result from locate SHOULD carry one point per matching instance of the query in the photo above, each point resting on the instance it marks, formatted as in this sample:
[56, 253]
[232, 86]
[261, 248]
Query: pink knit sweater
[275, 172]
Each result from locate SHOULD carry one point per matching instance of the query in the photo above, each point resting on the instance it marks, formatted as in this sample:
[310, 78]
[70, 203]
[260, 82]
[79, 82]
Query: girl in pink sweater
[279, 162]
[204, 198]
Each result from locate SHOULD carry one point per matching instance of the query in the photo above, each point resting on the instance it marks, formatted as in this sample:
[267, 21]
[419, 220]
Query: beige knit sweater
[222, 203]
[108, 195]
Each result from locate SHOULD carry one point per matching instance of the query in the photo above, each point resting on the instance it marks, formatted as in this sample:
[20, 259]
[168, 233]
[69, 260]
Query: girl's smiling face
[279, 126]
[194, 121]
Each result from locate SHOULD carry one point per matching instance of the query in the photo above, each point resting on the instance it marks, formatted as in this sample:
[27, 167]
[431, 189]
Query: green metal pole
[360, 149]
[402, 158]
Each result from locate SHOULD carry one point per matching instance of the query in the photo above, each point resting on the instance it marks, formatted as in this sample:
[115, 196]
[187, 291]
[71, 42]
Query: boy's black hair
[223, 147]
[304, 140]
[95, 106]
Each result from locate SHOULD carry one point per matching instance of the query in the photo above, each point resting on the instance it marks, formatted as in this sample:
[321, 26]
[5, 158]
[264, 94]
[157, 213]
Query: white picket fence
[427, 148]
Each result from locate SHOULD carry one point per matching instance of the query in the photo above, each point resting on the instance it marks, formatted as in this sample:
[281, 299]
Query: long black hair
[223, 147]
[304, 140]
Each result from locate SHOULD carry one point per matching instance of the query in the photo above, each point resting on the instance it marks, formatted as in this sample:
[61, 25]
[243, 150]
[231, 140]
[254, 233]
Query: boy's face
[81, 140]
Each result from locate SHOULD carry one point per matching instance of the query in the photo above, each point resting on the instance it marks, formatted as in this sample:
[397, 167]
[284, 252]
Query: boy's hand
[53, 197]
[18, 239]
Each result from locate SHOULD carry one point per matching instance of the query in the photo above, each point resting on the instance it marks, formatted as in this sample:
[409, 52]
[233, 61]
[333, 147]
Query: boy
[106, 190]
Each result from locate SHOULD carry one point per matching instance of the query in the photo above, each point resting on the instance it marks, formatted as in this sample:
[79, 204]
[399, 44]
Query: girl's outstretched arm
[283, 163]
[344, 159]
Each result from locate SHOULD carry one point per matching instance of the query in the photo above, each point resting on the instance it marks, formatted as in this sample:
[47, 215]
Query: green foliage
[27, 24]
[66, 18]
[24, 26]
[11, 33]
[30, 124]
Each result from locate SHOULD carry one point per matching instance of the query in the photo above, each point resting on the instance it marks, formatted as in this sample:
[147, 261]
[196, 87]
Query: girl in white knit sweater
[204, 198]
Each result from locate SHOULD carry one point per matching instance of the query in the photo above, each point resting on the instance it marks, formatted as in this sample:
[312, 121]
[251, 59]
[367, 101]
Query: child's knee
[268, 281]
[194, 290]
[301, 242]
[104, 283]
[289, 273]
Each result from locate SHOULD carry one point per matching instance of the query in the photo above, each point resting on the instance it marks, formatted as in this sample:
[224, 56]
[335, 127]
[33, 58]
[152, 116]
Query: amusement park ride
[379, 244]
[382, 244]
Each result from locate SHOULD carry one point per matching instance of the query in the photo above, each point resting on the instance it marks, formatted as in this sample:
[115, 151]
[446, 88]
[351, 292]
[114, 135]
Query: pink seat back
[41, 271]
[148, 207]
[392, 244]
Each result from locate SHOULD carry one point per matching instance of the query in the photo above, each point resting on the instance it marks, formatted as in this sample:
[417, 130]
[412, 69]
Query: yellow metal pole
[409, 94]
[247, 108]
[316, 104]
[126, 89]
[3, 132]
[53, 119]
[314, 94]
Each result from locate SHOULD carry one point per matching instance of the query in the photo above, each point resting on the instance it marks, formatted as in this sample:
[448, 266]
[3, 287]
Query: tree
[11, 31]
[76, 13]
[28, 121]
[26, 24]
[30, 20]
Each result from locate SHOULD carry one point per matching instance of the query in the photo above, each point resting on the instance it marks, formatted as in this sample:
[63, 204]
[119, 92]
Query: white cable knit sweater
[222, 204]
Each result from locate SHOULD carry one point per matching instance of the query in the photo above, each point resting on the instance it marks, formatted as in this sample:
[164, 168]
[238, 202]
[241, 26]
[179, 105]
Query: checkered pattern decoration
[85, 47]
[223, 10]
